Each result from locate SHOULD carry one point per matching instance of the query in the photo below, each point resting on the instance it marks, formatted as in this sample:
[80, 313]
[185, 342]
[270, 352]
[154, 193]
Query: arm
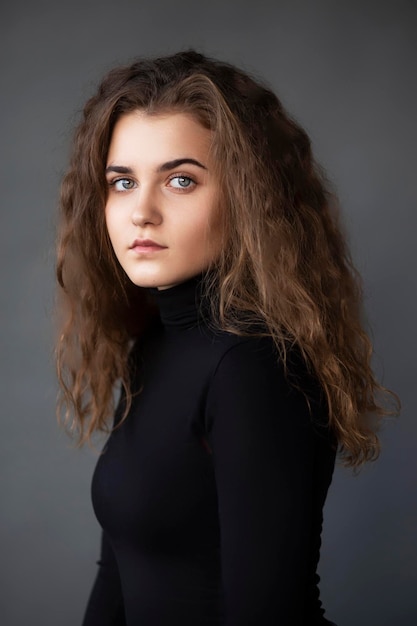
[262, 447]
[105, 605]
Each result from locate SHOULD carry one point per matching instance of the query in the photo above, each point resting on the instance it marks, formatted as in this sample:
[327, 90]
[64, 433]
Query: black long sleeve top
[210, 493]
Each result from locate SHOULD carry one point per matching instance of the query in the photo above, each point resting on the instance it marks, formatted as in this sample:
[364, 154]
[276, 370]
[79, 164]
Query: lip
[146, 246]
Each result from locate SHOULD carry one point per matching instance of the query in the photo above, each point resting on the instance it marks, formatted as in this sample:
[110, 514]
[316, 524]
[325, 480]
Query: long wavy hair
[284, 260]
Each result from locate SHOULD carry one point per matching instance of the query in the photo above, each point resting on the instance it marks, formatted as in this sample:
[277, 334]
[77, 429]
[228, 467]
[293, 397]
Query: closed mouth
[146, 244]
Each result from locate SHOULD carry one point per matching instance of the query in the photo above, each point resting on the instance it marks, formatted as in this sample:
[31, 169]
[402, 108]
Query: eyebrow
[170, 165]
[118, 169]
[165, 167]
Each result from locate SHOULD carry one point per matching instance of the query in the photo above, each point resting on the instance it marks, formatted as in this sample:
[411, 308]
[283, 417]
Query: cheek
[112, 225]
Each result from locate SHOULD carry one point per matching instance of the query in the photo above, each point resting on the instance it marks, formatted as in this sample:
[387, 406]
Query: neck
[180, 306]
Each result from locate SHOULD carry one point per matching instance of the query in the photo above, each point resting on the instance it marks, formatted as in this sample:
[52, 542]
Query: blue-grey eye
[181, 182]
[123, 184]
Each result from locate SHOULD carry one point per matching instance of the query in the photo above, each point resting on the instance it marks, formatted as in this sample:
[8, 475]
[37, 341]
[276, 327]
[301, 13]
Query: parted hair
[284, 259]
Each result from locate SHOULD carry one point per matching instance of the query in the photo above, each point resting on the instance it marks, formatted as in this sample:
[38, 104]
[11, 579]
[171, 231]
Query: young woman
[203, 270]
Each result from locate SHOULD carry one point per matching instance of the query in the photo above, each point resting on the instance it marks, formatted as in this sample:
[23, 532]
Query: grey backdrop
[347, 71]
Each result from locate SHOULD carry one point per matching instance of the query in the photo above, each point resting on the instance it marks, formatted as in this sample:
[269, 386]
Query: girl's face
[161, 210]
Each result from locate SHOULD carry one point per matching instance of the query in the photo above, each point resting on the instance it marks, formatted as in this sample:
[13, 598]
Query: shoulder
[250, 375]
[251, 378]
[256, 359]
[246, 356]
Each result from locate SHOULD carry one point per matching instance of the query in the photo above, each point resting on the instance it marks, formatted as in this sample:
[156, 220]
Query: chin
[158, 282]
[163, 280]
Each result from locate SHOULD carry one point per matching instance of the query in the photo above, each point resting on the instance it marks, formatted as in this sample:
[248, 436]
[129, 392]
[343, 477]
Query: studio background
[346, 70]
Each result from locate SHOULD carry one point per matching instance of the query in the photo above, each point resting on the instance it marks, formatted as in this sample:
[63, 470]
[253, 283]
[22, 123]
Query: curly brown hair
[286, 261]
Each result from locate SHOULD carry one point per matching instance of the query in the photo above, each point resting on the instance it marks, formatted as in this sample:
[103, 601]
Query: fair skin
[161, 206]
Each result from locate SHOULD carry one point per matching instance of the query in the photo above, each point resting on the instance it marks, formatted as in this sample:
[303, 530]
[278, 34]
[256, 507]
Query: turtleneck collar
[180, 306]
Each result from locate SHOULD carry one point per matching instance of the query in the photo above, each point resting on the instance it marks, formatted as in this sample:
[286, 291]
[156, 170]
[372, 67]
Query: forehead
[139, 136]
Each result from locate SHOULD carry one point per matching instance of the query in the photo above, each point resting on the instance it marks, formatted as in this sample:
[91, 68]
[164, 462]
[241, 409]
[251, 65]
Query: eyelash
[113, 183]
[179, 189]
[193, 182]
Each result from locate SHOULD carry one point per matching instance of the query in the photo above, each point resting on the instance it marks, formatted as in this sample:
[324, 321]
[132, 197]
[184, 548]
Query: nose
[145, 209]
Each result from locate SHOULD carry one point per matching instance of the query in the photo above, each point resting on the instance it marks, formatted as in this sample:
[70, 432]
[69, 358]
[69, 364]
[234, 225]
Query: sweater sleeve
[262, 444]
[105, 605]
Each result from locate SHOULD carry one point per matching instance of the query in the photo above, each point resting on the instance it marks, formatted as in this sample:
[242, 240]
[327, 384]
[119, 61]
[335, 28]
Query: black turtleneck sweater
[210, 493]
